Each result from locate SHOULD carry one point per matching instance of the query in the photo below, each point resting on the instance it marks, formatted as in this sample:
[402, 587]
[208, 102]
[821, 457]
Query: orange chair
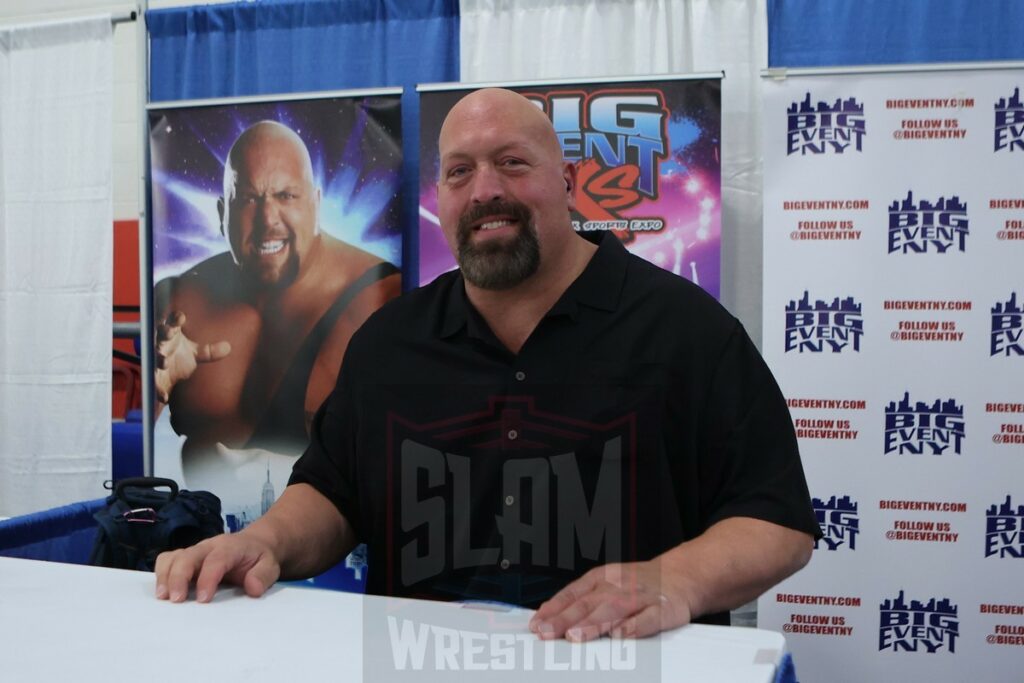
[126, 388]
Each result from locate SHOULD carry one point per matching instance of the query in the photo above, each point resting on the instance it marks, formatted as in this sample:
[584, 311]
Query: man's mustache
[513, 210]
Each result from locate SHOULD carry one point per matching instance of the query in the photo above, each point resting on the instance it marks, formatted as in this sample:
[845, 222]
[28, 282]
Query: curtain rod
[782, 73]
[124, 17]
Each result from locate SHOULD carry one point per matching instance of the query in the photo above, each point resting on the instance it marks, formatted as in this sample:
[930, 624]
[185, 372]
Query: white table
[62, 622]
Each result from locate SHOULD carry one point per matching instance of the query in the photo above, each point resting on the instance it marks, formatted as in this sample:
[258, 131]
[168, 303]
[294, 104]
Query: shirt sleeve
[750, 456]
[329, 463]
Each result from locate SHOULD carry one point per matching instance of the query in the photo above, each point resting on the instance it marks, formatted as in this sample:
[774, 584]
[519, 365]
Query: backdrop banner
[276, 231]
[649, 159]
[893, 292]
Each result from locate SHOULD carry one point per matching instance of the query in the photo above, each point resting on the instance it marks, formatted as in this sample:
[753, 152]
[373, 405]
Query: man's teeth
[271, 247]
[492, 225]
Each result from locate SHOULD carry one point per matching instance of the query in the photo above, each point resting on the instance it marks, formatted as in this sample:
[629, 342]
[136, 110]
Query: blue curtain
[809, 33]
[284, 46]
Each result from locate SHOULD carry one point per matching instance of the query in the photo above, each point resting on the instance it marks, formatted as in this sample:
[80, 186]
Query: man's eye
[457, 172]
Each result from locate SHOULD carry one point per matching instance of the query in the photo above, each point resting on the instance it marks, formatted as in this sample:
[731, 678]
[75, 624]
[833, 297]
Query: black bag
[140, 522]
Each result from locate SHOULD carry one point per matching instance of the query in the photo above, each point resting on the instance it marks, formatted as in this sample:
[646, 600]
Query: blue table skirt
[63, 534]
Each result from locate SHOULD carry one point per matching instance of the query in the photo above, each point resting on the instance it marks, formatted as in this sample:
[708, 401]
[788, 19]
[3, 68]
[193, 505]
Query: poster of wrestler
[648, 159]
[276, 232]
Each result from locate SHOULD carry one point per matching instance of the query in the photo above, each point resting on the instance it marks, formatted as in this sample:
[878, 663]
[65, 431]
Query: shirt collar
[598, 286]
[456, 308]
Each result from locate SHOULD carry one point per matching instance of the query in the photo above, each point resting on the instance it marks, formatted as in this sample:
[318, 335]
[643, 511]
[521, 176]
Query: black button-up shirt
[637, 414]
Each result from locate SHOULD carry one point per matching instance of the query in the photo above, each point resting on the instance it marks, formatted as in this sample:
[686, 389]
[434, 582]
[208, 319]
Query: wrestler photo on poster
[276, 231]
[649, 168]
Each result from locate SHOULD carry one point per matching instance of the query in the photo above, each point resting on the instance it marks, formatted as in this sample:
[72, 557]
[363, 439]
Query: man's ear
[569, 171]
[220, 213]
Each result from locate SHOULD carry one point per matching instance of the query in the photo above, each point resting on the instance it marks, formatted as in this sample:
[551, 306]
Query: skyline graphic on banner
[1009, 123]
[918, 627]
[1004, 531]
[839, 522]
[1007, 333]
[825, 127]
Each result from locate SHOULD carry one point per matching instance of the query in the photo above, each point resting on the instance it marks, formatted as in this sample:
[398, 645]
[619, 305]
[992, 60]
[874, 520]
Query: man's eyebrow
[513, 147]
[504, 149]
[448, 156]
[246, 187]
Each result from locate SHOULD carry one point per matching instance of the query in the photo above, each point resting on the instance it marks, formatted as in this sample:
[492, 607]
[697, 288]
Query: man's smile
[494, 225]
[268, 247]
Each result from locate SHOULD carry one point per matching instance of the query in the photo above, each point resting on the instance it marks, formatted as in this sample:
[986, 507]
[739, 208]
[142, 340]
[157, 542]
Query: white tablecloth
[61, 622]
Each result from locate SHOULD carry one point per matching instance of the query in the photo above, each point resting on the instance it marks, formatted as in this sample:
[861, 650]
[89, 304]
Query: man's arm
[301, 535]
[730, 564]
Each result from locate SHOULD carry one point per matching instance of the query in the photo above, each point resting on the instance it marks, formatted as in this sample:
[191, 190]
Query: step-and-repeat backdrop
[893, 296]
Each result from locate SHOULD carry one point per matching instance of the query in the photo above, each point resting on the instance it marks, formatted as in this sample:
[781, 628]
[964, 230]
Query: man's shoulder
[410, 315]
[206, 279]
[680, 323]
[346, 257]
[209, 268]
[672, 296]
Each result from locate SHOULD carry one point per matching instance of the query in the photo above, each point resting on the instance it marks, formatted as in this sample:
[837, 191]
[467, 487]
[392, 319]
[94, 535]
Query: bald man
[577, 430]
[248, 342]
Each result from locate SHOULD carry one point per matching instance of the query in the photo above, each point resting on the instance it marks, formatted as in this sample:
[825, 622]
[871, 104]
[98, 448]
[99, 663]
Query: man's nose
[488, 185]
[267, 211]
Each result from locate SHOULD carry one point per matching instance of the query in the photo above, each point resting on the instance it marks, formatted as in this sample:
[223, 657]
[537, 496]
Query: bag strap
[146, 483]
[116, 544]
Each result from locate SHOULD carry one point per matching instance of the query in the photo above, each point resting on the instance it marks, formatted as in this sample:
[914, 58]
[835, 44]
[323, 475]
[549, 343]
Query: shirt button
[509, 500]
[520, 375]
[513, 435]
[505, 564]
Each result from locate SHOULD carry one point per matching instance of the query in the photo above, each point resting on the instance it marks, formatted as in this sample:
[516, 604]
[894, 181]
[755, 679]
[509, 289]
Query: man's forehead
[474, 144]
[277, 181]
[494, 137]
[271, 157]
[270, 148]
[501, 111]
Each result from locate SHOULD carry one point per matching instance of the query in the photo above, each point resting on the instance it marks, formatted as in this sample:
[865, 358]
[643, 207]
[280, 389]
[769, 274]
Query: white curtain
[525, 40]
[56, 259]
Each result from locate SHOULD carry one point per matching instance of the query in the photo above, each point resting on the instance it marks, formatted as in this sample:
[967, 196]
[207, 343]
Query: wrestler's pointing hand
[177, 356]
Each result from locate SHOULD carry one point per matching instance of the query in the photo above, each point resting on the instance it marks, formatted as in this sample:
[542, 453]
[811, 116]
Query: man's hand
[630, 600]
[237, 559]
[301, 535]
[730, 564]
[177, 356]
